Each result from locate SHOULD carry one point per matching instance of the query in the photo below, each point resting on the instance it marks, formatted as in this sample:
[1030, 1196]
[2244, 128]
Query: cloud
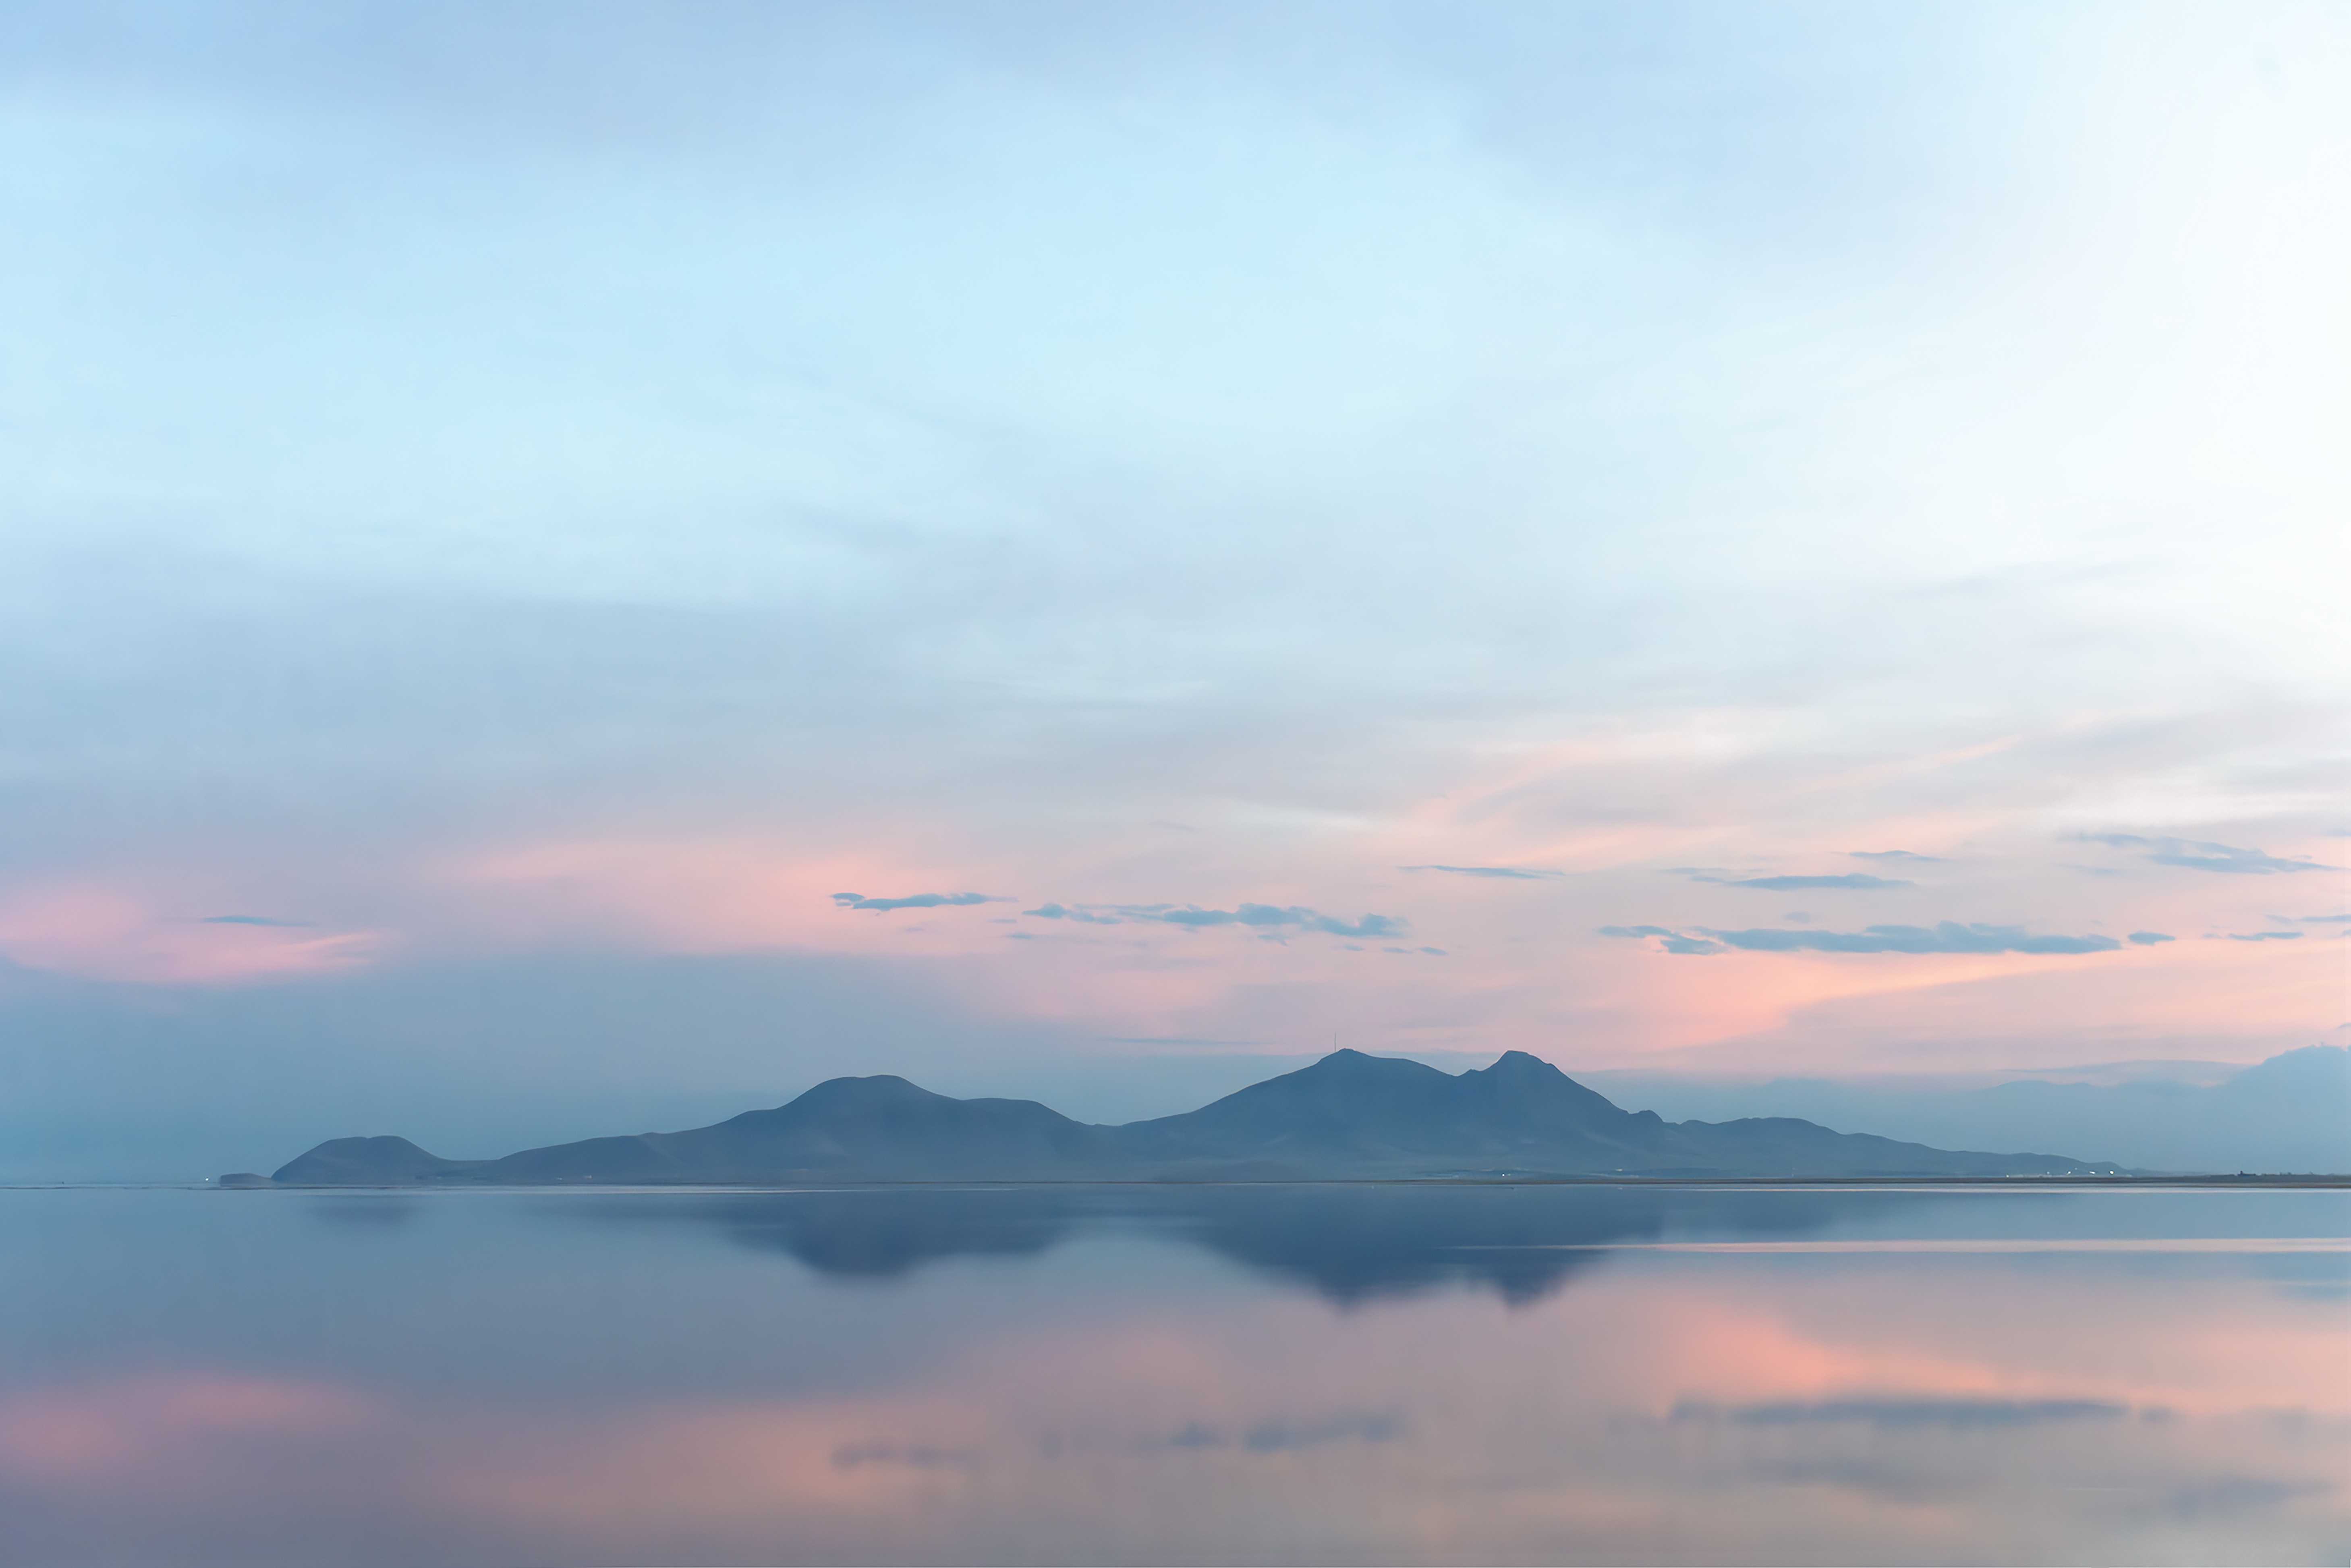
[860, 607]
[2150, 938]
[2266, 935]
[1286, 1436]
[1675, 941]
[1948, 936]
[914, 901]
[1516, 872]
[1906, 1414]
[1274, 915]
[2196, 854]
[1798, 884]
[1945, 936]
[2313, 919]
[1851, 879]
[250, 920]
[1691, 944]
[1897, 855]
[1271, 919]
[850, 1456]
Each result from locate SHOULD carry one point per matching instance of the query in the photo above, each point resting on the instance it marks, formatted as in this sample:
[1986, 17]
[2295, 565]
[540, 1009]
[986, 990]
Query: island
[1347, 1117]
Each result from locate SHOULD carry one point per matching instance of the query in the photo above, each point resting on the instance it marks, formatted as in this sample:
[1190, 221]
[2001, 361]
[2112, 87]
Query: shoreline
[2285, 1182]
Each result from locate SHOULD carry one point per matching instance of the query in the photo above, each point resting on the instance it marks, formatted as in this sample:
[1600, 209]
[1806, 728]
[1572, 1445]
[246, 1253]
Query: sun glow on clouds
[1536, 499]
[1520, 944]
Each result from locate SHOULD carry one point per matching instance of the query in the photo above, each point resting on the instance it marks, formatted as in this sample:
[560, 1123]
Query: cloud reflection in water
[1135, 1374]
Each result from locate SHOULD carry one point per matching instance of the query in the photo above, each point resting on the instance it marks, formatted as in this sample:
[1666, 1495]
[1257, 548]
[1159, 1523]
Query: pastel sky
[577, 562]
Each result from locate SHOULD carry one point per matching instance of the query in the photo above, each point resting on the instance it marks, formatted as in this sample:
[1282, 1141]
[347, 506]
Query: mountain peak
[1519, 1063]
[361, 1162]
[879, 1089]
[1350, 1061]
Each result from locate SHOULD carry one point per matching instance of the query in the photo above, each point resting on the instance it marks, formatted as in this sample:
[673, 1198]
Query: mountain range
[2291, 1113]
[1349, 1117]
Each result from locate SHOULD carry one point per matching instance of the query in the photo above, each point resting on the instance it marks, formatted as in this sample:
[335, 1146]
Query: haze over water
[1125, 1375]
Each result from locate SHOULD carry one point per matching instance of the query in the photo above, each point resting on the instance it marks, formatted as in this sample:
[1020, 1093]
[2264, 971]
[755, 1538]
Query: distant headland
[1348, 1117]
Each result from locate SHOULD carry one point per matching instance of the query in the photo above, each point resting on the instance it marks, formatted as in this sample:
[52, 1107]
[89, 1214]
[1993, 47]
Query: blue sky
[507, 493]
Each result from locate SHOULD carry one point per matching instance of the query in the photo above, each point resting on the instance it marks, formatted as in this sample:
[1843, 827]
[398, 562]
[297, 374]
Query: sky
[565, 567]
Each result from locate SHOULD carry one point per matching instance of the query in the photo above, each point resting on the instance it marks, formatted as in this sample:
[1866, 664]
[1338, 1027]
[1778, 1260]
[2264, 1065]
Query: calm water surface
[1266, 1375]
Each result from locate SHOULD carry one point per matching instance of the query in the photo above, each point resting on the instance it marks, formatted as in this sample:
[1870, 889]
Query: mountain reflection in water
[1347, 1243]
[1147, 1374]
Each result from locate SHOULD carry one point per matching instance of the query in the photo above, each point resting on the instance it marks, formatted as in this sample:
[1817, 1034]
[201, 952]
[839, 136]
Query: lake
[1269, 1374]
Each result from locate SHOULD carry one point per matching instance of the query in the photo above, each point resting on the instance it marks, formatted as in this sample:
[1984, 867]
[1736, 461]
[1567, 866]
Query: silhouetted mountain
[1369, 1110]
[366, 1162]
[1355, 1114]
[882, 1127]
[1348, 1117]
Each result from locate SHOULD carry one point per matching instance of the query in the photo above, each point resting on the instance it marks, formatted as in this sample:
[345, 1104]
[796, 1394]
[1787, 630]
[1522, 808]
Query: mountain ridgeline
[1347, 1117]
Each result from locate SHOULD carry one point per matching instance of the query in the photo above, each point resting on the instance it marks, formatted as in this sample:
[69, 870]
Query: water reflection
[1269, 1374]
[1348, 1244]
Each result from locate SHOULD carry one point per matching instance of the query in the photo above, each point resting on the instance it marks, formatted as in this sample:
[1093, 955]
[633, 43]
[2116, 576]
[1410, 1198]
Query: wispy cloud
[915, 901]
[2312, 919]
[2150, 938]
[2265, 935]
[1853, 879]
[1906, 1415]
[1268, 918]
[1946, 937]
[1897, 855]
[1674, 941]
[1691, 946]
[1064, 912]
[1286, 1436]
[252, 920]
[1275, 915]
[1522, 873]
[2197, 855]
